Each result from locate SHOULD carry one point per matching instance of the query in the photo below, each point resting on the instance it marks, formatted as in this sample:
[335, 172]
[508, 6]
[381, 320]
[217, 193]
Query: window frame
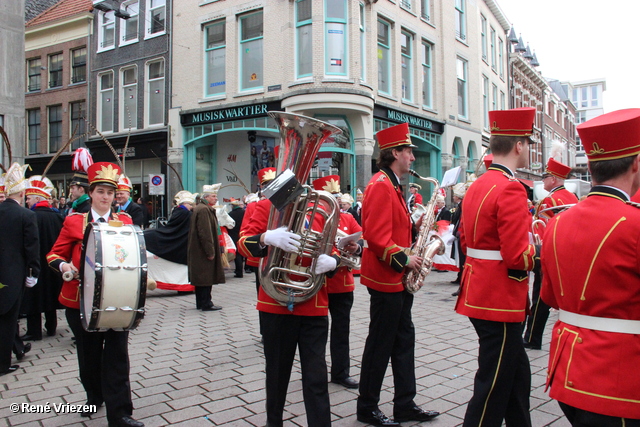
[130, 119]
[149, 80]
[386, 48]
[103, 26]
[99, 107]
[483, 38]
[125, 23]
[485, 102]
[408, 57]
[37, 76]
[37, 128]
[427, 70]
[492, 47]
[338, 24]
[300, 50]
[149, 19]
[80, 121]
[58, 124]
[363, 44]
[425, 10]
[208, 51]
[241, 42]
[55, 71]
[464, 115]
[461, 21]
[501, 57]
[75, 66]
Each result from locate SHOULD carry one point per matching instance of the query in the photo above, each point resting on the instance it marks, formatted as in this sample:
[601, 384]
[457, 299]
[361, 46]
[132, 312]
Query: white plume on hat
[556, 151]
[14, 179]
[184, 196]
[210, 189]
[81, 160]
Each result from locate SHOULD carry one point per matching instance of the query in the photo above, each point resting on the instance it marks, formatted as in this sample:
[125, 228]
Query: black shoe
[455, 282]
[376, 418]
[30, 337]
[211, 308]
[90, 411]
[456, 293]
[51, 332]
[11, 369]
[347, 382]
[125, 422]
[414, 414]
[527, 344]
[238, 275]
[27, 349]
[248, 271]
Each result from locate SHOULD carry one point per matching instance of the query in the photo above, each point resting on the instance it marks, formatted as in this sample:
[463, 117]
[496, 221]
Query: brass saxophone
[283, 275]
[425, 246]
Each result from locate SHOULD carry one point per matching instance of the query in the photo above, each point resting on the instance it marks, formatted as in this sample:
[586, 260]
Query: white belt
[605, 324]
[484, 254]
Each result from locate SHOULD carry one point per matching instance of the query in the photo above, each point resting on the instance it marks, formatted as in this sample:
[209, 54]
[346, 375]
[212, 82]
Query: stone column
[364, 151]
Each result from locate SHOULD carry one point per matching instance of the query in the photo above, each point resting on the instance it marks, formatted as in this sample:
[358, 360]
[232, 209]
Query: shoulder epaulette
[510, 177]
[123, 213]
[381, 178]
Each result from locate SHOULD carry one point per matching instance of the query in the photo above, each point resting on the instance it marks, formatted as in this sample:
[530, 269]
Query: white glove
[283, 239]
[325, 264]
[31, 282]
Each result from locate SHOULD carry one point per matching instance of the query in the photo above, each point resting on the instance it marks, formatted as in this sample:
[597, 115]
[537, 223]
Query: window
[594, 95]
[494, 97]
[155, 92]
[130, 26]
[463, 102]
[427, 48]
[384, 57]
[406, 50]
[336, 38]
[483, 36]
[155, 22]
[502, 100]
[485, 101]
[425, 10]
[34, 71]
[79, 65]
[216, 53]
[500, 57]
[55, 128]
[78, 124]
[106, 36]
[461, 25]
[363, 56]
[492, 40]
[407, 4]
[585, 101]
[304, 39]
[129, 98]
[105, 103]
[55, 70]
[251, 57]
[33, 120]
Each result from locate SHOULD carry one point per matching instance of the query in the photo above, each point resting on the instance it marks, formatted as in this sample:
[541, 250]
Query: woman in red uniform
[103, 357]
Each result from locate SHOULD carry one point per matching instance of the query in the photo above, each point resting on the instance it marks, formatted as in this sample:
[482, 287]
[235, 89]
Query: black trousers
[103, 361]
[282, 335]
[391, 336]
[340, 309]
[34, 323]
[8, 328]
[537, 320]
[239, 262]
[502, 384]
[581, 418]
[203, 296]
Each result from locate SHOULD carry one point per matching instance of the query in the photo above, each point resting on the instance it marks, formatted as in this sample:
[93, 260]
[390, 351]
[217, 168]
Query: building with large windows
[56, 90]
[360, 65]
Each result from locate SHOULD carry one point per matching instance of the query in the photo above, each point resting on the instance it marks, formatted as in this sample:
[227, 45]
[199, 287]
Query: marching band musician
[305, 327]
[595, 348]
[494, 290]
[388, 233]
[553, 181]
[414, 196]
[124, 202]
[340, 288]
[103, 357]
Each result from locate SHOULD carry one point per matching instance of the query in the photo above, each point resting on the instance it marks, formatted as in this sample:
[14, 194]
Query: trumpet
[347, 259]
[544, 213]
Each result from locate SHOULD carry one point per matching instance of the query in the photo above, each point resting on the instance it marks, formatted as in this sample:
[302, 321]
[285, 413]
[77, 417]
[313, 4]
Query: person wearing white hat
[204, 252]
[20, 262]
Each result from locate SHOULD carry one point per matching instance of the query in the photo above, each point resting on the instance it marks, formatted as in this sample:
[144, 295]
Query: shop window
[336, 37]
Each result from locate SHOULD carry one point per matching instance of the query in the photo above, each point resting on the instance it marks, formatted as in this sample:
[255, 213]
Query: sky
[578, 40]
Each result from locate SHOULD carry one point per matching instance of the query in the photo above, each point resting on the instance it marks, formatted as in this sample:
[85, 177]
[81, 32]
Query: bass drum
[114, 277]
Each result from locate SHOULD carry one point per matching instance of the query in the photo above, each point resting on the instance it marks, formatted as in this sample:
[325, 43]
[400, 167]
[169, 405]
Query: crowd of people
[491, 244]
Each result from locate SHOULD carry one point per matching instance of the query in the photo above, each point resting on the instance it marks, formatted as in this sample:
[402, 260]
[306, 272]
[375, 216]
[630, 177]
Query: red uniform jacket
[251, 207]
[343, 280]
[68, 248]
[496, 218]
[386, 225]
[249, 245]
[591, 266]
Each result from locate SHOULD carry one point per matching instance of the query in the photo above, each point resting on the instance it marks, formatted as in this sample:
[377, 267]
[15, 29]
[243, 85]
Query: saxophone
[425, 246]
[287, 277]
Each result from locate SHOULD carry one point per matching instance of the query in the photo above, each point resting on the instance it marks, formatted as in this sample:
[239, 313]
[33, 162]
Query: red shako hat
[104, 173]
[515, 122]
[330, 183]
[556, 168]
[611, 136]
[124, 184]
[395, 136]
[266, 174]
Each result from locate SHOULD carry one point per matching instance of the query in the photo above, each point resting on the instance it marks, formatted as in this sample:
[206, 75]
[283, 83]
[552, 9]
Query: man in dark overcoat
[43, 297]
[204, 255]
[237, 214]
[19, 259]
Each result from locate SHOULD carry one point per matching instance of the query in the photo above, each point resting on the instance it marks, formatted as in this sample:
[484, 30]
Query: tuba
[288, 277]
[425, 246]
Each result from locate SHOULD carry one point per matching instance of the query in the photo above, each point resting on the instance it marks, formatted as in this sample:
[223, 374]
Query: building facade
[56, 75]
[362, 66]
